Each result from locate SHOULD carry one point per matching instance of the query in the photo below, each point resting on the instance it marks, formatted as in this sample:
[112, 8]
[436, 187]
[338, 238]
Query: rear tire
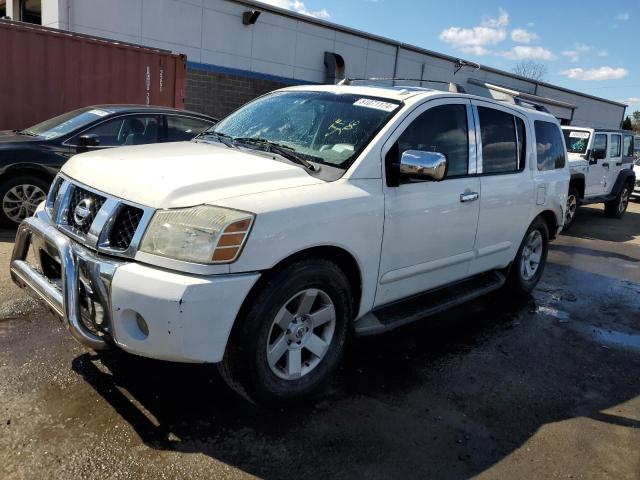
[292, 336]
[617, 207]
[19, 198]
[572, 208]
[528, 266]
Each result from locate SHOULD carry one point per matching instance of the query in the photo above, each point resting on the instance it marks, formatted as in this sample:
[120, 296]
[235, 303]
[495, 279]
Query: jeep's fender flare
[624, 176]
[580, 179]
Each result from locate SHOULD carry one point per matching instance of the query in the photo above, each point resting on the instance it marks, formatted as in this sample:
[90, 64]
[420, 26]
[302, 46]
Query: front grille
[91, 202]
[75, 209]
[124, 227]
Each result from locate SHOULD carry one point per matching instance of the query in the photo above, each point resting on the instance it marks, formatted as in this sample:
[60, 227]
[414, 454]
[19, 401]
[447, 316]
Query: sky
[589, 46]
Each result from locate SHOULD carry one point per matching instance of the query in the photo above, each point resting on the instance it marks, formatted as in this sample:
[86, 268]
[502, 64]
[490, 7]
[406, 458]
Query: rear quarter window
[549, 147]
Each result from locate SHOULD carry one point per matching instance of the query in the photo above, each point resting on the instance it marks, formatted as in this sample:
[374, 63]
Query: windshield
[576, 140]
[65, 123]
[322, 127]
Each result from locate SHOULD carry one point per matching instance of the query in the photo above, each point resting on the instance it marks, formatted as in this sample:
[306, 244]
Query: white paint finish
[221, 34]
[310, 51]
[182, 174]
[230, 60]
[118, 16]
[189, 317]
[273, 44]
[343, 214]
[272, 68]
[172, 21]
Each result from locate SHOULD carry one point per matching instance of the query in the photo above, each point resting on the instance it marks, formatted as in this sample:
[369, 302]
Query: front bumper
[144, 310]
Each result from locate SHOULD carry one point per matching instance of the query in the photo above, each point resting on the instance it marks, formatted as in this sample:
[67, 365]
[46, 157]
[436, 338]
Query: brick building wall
[218, 94]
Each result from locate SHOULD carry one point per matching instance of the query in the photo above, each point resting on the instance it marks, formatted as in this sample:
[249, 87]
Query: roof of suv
[412, 94]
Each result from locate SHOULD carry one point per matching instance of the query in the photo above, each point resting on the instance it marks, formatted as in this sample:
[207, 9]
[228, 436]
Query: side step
[394, 315]
[600, 199]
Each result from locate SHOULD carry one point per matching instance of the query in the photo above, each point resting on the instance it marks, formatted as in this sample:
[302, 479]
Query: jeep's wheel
[292, 336]
[19, 198]
[572, 208]
[617, 207]
[531, 259]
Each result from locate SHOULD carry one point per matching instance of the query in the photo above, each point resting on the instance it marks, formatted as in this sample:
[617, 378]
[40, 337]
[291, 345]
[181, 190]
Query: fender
[626, 175]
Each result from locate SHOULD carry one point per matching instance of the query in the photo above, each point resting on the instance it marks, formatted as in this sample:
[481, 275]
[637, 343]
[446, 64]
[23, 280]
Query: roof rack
[452, 87]
[528, 104]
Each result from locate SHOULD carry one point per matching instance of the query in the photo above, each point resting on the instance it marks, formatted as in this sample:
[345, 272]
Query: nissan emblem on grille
[82, 211]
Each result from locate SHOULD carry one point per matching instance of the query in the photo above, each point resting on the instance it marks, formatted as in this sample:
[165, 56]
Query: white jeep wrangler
[309, 214]
[601, 163]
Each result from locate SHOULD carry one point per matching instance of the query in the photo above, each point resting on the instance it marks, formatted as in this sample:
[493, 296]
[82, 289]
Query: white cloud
[476, 39]
[631, 100]
[575, 52]
[603, 53]
[623, 16]
[602, 73]
[521, 35]
[299, 7]
[501, 21]
[522, 52]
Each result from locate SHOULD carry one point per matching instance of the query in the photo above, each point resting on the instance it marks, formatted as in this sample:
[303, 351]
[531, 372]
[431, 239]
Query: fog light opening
[142, 325]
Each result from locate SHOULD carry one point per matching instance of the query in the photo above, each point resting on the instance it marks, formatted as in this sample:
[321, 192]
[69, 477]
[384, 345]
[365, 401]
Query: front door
[597, 171]
[614, 162]
[430, 227]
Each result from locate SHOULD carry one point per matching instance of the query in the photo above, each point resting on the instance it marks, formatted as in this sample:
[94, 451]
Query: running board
[394, 315]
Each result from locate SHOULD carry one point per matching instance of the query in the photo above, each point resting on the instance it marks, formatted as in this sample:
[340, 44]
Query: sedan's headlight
[203, 234]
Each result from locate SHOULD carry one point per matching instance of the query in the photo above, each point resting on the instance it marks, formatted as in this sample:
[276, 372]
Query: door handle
[469, 196]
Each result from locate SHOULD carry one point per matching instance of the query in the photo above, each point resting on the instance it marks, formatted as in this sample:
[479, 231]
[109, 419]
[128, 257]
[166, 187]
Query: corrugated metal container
[45, 72]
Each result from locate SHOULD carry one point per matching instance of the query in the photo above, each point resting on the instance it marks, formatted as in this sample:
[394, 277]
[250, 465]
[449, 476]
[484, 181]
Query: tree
[626, 123]
[636, 121]
[530, 69]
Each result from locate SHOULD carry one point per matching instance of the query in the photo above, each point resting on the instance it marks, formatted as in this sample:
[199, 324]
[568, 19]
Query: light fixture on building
[250, 17]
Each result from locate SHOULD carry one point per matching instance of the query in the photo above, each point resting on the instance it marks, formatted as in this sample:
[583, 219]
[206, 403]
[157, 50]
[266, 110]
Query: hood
[9, 136]
[172, 175]
[575, 157]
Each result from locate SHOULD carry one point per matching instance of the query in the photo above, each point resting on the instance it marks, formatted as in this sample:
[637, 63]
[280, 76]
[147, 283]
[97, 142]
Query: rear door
[614, 162]
[430, 227]
[507, 192]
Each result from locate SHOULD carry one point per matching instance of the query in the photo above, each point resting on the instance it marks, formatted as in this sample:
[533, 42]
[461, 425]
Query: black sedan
[30, 158]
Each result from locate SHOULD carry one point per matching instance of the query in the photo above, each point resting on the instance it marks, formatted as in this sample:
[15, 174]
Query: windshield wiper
[221, 137]
[283, 150]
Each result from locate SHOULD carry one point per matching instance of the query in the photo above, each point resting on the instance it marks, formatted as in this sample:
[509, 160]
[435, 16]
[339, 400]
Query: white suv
[309, 214]
[601, 163]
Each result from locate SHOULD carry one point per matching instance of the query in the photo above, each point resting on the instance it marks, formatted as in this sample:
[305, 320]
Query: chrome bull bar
[64, 301]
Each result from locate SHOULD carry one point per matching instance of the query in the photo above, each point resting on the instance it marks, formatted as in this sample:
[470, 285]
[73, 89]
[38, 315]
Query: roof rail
[529, 104]
[452, 87]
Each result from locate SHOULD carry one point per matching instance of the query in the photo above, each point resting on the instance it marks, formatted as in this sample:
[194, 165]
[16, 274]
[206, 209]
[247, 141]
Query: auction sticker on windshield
[100, 113]
[579, 134]
[377, 104]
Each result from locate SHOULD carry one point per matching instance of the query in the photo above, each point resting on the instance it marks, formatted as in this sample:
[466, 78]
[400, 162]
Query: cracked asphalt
[544, 387]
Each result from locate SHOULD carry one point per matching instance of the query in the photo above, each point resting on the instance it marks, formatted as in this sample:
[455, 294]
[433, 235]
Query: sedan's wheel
[528, 266]
[291, 334]
[301, 334]
[571, 209]
[19, 198]
[617, 207]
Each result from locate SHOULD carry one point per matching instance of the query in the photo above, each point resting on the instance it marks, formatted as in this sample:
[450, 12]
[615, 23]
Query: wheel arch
[624, 176]
[578, 182]
[551, 220]
[27, 169]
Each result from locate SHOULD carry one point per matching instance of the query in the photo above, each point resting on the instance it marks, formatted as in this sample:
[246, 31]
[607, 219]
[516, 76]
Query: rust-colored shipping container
[45, 72]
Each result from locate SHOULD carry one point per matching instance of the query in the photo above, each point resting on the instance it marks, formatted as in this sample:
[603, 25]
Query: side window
[614, 150]
[127, 130]
[600, 144]
[441, 129]
[184, 128]
[522, 143]
[549, 146]
[500, 147]
[627, 148]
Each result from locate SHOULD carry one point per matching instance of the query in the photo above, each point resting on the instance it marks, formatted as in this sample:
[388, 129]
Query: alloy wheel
[531, 255]
[21, 201]
[572, 206]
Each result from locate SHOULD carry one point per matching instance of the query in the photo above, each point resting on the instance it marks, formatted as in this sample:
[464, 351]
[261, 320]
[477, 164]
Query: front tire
[528, 266]
[19, 198]
[617, 207]
[292, 336]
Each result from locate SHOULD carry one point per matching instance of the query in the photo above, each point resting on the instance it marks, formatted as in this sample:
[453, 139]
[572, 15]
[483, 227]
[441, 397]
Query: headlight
[202, 234]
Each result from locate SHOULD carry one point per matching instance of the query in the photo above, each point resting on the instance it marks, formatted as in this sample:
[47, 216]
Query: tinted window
[600, 143]
[440, 129]
[549, 146]
[184, 128]
[67, 122]
[614, 150]
[499, 147]
[627, 149]
[522, 143]
[127, 130]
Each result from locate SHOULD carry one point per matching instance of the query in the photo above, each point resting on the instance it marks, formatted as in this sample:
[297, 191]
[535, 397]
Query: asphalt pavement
[543, 387]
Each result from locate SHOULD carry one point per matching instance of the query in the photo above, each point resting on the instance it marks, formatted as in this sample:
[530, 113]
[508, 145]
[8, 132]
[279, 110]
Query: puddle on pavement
[553, 312]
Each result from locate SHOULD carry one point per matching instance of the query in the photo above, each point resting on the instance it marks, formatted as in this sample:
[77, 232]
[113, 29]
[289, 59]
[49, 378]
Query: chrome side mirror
[419, 163]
